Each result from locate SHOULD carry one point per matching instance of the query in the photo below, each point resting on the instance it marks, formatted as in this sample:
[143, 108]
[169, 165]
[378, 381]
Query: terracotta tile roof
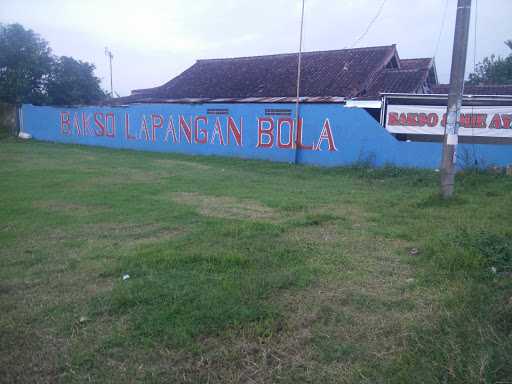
[476, 89]
[341, 73]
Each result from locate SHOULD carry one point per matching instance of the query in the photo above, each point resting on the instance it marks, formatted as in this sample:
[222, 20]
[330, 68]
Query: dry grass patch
[226, 207]
[181, 165]
[132, 231]
[70, 208]
[326, 234]
[32, 356]
[98, 287]
[124, 177]
[357, 217]
[127, 234]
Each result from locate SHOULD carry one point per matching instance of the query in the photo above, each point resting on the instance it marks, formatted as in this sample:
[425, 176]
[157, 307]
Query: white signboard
[488, 121]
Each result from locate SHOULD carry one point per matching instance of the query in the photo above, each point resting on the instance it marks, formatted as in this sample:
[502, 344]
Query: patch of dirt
[30, 356]
[99, 286]
[226, 207]
[132, 234]
[179, 164]
[135, 176]
[61, 206]
[326, 233]
[357, 217]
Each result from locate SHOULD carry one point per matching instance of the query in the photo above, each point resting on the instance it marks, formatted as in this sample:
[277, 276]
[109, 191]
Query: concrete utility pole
[451, 138]
[110, 56]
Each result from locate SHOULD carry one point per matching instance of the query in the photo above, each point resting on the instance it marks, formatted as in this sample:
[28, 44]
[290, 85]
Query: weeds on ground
[469, 338]
[247, 271]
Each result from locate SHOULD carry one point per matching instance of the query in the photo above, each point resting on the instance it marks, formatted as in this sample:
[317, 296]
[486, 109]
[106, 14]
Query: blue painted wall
[332, 135]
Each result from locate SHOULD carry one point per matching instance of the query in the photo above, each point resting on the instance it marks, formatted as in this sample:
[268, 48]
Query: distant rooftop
[343, 73]
[496, 90]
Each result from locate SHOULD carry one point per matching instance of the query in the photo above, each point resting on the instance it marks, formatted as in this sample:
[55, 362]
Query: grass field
[248, 272]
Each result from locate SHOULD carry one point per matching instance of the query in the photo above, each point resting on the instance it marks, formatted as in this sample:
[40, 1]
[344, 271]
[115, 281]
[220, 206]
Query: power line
[379, 11]
[443, 19]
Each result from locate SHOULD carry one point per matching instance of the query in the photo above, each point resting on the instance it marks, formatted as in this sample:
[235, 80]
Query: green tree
[29, 73]
[25, 62]
[493, 70]
[73, 82]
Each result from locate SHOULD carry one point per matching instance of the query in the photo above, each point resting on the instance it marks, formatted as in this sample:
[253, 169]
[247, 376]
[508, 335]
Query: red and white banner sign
[488, 121]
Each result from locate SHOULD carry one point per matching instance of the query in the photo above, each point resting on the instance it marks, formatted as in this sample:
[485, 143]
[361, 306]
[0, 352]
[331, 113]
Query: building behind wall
[245, 107]
[360, 77]
[326, 76]
[345, 73]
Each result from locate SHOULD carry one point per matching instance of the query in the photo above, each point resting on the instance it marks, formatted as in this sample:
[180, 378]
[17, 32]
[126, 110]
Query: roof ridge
[417, 58]
[404, 69]
[295, 53]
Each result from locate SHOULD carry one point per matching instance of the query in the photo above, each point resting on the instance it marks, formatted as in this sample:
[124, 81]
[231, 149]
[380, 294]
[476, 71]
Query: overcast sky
[155, 40]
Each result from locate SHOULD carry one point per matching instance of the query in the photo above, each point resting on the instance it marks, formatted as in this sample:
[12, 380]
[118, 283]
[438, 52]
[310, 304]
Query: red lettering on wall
[185, 128]
[112, 118]
[65, 123]
[144, 128]
[217, 131]
[281, 122]
[203, 139]
[300, 145]
[76, 124]
[171, 131]
[157, 121]
[326, 134]
[267, 132]
[127, 127]
[86, 124]
[235, 131]
[99, 120]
